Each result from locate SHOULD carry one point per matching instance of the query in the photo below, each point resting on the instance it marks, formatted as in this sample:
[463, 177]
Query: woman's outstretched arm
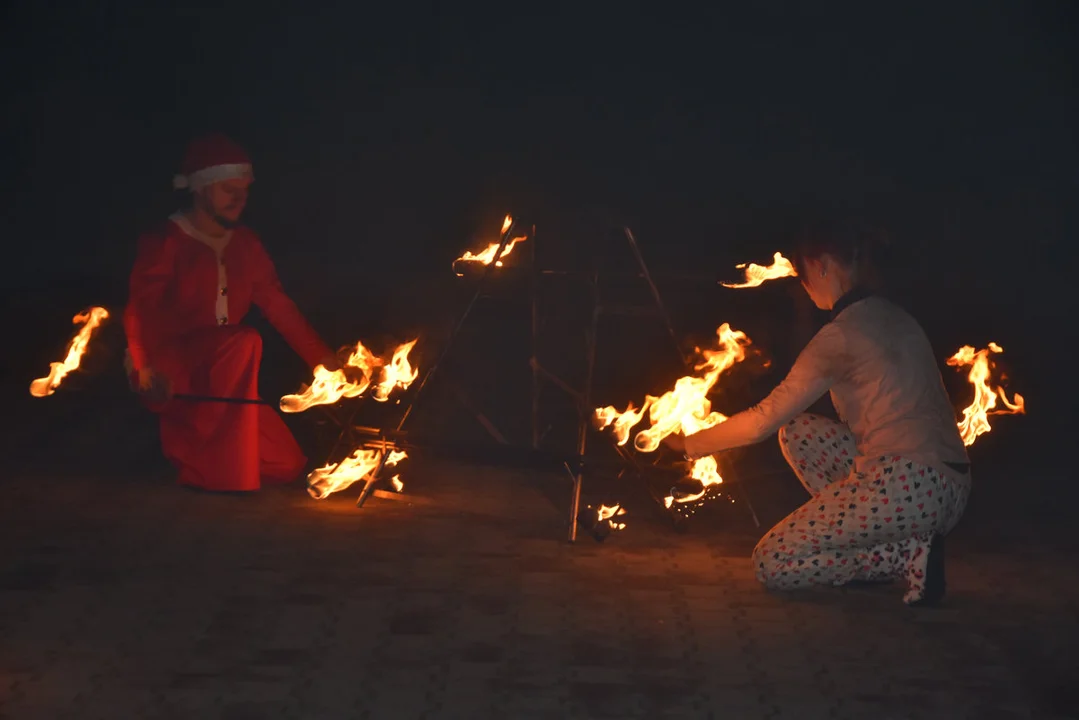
[814, 373]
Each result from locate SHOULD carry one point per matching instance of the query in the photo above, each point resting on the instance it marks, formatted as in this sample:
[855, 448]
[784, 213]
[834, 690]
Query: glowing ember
[325, 481]
[487, 256]
[757, 275]
[354, 379]
[43, 387]
[975, 420]
[686, 409]
[689, 504]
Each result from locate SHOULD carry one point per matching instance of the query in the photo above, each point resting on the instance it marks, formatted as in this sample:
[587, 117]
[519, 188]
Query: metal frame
[575, 467]
[583, 396]
[375, 476]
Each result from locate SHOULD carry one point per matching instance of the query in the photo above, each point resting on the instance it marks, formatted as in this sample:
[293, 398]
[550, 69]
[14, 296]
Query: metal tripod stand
[387, 438]
[583, 396]
[574, 465]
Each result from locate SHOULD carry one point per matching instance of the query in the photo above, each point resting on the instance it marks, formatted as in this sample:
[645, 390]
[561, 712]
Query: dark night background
[386, 144]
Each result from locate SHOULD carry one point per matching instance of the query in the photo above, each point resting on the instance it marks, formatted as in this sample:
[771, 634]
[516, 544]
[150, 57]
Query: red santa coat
[188, 295]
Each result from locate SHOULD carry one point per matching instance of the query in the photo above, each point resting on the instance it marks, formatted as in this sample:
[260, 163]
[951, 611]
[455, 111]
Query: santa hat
[211, 159]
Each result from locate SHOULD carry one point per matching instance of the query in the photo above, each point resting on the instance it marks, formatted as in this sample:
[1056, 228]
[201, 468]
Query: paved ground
[126, 597]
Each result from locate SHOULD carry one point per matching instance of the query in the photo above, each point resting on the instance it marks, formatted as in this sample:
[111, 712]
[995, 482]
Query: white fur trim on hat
[211, 175]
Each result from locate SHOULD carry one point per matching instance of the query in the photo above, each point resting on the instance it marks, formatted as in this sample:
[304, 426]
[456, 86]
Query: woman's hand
[352, 374]
[676, 442]
[331, 362]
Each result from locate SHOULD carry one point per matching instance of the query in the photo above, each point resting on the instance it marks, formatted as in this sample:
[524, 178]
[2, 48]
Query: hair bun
[859, 245]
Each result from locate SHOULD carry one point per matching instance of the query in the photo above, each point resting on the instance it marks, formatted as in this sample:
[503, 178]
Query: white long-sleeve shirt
[885, 384]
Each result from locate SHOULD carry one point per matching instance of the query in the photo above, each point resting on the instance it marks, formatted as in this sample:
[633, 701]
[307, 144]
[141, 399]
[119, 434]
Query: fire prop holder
[600, 308]
[574, 465]
[394, 439]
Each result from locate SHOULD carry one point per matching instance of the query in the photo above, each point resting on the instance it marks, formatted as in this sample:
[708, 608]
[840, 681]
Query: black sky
[387, 138]
[358, 112]
[386, 141]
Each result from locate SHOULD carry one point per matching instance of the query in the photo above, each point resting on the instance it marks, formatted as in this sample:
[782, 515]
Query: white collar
[217, 244]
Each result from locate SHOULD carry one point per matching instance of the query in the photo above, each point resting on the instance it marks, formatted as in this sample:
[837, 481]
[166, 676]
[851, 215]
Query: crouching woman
[891, 480]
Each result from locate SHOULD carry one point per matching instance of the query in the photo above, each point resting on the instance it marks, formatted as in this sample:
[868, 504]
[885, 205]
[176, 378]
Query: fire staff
[194, 279]
[890, 480]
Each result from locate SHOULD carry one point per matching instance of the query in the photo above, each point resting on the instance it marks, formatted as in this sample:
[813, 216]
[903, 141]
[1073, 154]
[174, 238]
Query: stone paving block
[112, 700]
[406, 701]
[465, 698]
[541, 618]
[522, 699]
[735, 703]
[799, 708]
[727, 671]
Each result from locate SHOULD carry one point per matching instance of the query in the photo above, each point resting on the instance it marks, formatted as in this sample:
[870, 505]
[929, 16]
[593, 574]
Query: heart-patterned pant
[866, 525]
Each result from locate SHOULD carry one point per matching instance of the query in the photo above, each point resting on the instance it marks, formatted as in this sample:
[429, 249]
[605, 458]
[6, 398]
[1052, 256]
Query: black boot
[935, 585]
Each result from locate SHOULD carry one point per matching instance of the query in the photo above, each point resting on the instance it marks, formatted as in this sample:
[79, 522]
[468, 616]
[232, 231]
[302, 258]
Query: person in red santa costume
[194, 280]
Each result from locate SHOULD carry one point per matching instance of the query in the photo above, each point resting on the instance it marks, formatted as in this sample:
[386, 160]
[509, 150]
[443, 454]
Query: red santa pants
[224, 446]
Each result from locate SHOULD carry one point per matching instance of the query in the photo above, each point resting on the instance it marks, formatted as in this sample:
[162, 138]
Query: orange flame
[707, 471]
[329, 387]
[975, 420]
[43, 387]
[326, 480]
[396, 481]
[685, 409]
[487, 255]
[622, 422]
[757, 275]
[398, 373]
[607, 514]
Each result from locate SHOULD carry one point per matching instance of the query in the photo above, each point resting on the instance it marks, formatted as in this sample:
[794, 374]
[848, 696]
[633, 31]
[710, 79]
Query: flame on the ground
[91, 319]
[757, 275]
[396, 482]
[327, 480]
[975, 420]
[608, 513]
[353, 380]
[686, 409]
[487, 255]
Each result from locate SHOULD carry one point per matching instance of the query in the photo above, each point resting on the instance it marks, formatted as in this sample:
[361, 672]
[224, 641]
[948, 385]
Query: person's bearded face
[225, 200]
